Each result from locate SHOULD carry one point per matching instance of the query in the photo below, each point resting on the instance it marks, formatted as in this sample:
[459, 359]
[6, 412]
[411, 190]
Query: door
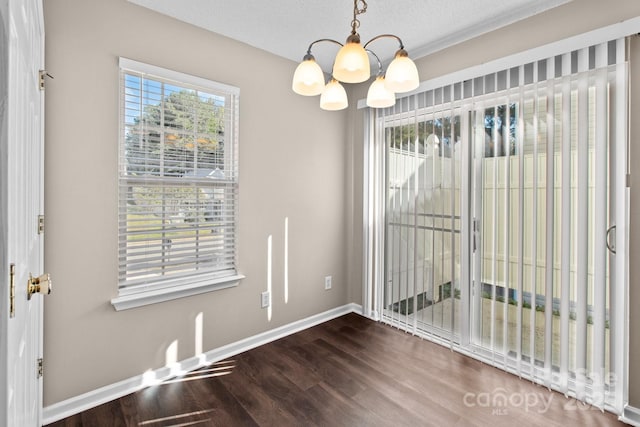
[21, 203]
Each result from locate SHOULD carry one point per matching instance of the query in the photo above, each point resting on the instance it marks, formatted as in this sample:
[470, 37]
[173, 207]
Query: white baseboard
[631, 416]
[91, 399]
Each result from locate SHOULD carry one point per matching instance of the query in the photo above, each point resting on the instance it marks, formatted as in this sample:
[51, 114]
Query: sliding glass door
[502, 195]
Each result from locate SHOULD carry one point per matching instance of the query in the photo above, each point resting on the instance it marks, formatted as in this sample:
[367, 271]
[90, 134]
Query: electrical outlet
[266, 299]
[327, 283]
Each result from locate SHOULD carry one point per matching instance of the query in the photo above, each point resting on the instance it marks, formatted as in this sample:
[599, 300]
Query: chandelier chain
[355, 23]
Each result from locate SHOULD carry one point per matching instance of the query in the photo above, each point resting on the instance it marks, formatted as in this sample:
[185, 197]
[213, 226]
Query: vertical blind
[502, 199]
[178, 179]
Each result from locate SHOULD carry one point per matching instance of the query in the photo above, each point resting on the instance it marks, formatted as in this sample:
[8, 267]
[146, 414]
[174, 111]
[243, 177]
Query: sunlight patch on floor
[177, 417]
[218, 369]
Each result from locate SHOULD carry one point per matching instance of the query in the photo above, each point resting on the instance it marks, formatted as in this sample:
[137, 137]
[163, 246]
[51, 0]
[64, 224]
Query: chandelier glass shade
[402, 74]
[333, 97]
[352, 62]
[379, 96]
[308, 79]
[351, 65]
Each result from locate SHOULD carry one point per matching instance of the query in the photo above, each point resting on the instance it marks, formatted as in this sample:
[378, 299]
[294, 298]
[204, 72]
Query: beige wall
[292, 164]
[574, 18]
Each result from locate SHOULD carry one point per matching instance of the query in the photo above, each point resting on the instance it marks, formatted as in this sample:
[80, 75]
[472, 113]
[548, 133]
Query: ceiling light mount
[351, 65]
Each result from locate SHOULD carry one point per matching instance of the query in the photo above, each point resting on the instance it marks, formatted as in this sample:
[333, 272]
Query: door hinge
[42, 74]
[12, 290]
[40, 368]
[40, 224]
[41, 80]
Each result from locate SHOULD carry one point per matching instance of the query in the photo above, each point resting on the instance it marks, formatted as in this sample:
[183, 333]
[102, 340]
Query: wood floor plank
[262, 407]
[212, 395]
[129, 410]
[276, 390]
[386, 389]
[163, 401]
[349, 371]
[342, 410]
[102, 415]
[296, 372]
[332, 374]
[288, 396]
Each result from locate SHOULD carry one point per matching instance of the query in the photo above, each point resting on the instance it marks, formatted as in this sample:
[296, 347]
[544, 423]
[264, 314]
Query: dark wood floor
[350, 371]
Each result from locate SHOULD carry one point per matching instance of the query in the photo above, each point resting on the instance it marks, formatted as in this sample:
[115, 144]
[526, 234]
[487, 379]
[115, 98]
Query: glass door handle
[474, 233]
[612, 248]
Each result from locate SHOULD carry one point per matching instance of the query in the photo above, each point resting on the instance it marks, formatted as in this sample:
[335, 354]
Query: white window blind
[178, 179]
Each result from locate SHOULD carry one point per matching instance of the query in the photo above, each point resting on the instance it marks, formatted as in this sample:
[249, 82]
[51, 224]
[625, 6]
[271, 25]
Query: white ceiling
[287, 27]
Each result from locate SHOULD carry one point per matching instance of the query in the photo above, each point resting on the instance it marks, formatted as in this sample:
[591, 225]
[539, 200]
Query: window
[178, 185]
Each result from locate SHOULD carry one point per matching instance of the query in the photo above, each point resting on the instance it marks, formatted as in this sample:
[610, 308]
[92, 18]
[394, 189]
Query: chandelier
[351, 65]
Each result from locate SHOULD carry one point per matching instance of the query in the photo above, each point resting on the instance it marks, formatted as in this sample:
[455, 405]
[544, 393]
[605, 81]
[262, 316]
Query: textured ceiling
[286, 27]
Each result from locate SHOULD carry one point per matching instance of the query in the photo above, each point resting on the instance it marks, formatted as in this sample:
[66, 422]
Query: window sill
[126, 301]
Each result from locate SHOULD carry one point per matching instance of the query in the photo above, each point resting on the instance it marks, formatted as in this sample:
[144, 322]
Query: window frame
[152, 292]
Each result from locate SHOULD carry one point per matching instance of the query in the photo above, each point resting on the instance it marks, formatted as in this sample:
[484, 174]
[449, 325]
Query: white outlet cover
[327, 282]
[266, 299]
